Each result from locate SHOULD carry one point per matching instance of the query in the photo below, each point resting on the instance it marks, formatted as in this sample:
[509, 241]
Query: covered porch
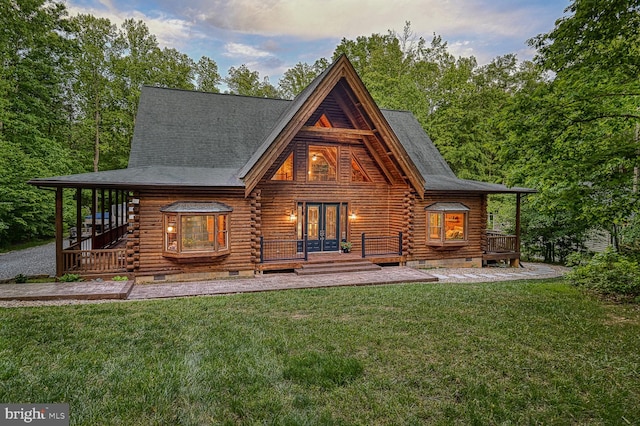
[96, 245]
[502, 247]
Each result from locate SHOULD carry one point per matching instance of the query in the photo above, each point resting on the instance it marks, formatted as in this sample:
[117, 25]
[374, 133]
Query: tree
[576, 133]
[34, 52]
[93, 81]
[295, 79]
[243, 81]
[207, 77]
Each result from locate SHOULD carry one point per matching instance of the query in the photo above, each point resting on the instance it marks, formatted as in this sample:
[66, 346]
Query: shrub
[69, 278]
[20, 279]
[610, 274]
[120, 278]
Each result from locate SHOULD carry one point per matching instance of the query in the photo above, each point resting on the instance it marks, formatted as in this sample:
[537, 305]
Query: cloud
[239, 50]
[169, 31]
[311, 19]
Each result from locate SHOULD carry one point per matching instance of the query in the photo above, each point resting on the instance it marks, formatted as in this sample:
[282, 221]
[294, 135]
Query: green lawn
[525, 352]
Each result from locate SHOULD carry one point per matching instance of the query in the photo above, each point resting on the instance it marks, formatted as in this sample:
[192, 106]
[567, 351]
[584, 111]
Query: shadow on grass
[323, 370]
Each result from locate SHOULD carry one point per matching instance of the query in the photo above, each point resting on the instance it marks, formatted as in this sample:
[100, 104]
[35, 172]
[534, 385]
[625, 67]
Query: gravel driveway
[39, 260]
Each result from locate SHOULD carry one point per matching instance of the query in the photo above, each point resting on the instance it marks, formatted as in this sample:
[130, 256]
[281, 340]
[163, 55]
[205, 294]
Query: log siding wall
[242, 235]
[382, 208]
[469, 254]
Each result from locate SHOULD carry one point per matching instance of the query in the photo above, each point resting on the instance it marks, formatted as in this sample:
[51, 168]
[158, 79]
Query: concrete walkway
[64, 293]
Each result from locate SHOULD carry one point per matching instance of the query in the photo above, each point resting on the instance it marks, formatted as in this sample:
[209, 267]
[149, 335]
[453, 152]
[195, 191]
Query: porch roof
[440, 183]
[148, 177]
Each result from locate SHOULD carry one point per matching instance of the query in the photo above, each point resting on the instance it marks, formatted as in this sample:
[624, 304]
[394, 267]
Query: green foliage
[346, 246]
[574, 137]
[630, 238]
[243, 81]
[120, 278]
[207, 77]
[35, 51]
[610, 274]
[20, 279]
[296, 79]
[69, 278]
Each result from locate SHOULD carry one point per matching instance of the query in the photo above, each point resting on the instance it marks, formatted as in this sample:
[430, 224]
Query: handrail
[379, 245]
[502, 244]
[95, 261]
[280, 250]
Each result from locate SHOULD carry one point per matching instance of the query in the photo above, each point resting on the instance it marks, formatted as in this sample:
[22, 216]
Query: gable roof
[436, 172]
[306, 104]
[179, 128]
[204, 140]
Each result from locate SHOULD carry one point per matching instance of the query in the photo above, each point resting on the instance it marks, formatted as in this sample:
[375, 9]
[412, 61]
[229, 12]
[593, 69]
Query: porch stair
[336, 266]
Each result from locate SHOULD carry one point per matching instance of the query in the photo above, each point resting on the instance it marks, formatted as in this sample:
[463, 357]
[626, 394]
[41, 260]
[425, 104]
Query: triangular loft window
[357, 172]
[285, 172]
[323, 121]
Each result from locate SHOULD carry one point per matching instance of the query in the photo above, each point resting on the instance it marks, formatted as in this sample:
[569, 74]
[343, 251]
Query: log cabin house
[220, 185]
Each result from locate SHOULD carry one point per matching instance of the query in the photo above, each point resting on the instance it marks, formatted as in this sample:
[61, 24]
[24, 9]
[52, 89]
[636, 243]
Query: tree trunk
[96, 143]
[636, 168]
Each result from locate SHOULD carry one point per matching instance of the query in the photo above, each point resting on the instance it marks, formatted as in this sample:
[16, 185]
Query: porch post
[261, 249]
[79, 218]
[59, 236]
[94, 208]
[516, 262]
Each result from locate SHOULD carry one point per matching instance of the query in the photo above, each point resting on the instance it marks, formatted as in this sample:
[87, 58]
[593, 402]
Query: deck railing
[502, 244]
[109, 236]
[281, 250]
[380, 245]
[94, 261]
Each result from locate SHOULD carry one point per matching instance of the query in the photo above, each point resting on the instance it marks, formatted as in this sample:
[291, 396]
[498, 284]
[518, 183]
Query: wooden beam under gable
[371, 131]
[334, 132]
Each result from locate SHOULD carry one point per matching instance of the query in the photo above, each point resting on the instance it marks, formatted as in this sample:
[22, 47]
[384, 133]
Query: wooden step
[337, 267]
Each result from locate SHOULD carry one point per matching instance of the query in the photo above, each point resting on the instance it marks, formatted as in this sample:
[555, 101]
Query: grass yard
[525, 352]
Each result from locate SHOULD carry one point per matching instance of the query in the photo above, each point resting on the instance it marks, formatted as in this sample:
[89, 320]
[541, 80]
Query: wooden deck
[329, 257]
[502, 248]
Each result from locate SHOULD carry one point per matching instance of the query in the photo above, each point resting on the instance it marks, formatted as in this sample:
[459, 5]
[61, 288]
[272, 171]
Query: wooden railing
[94, 261]
[380, 245]
[502, 244]
[109, 236]
[99, 241]
[280, 250]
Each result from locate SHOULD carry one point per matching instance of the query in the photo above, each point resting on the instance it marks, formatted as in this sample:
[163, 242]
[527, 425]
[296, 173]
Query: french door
[323, 226]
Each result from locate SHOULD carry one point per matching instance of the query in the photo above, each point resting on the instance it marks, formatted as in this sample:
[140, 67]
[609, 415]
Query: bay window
[195, 229]
[447, 224]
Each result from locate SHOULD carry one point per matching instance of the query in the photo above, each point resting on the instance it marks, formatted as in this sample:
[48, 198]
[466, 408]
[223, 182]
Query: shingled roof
[197, 139]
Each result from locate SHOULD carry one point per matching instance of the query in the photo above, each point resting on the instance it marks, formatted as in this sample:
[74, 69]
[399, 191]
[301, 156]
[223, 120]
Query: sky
[271, 36]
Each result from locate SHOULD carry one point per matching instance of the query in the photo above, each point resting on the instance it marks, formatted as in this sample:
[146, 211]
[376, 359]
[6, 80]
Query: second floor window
[322, 164]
